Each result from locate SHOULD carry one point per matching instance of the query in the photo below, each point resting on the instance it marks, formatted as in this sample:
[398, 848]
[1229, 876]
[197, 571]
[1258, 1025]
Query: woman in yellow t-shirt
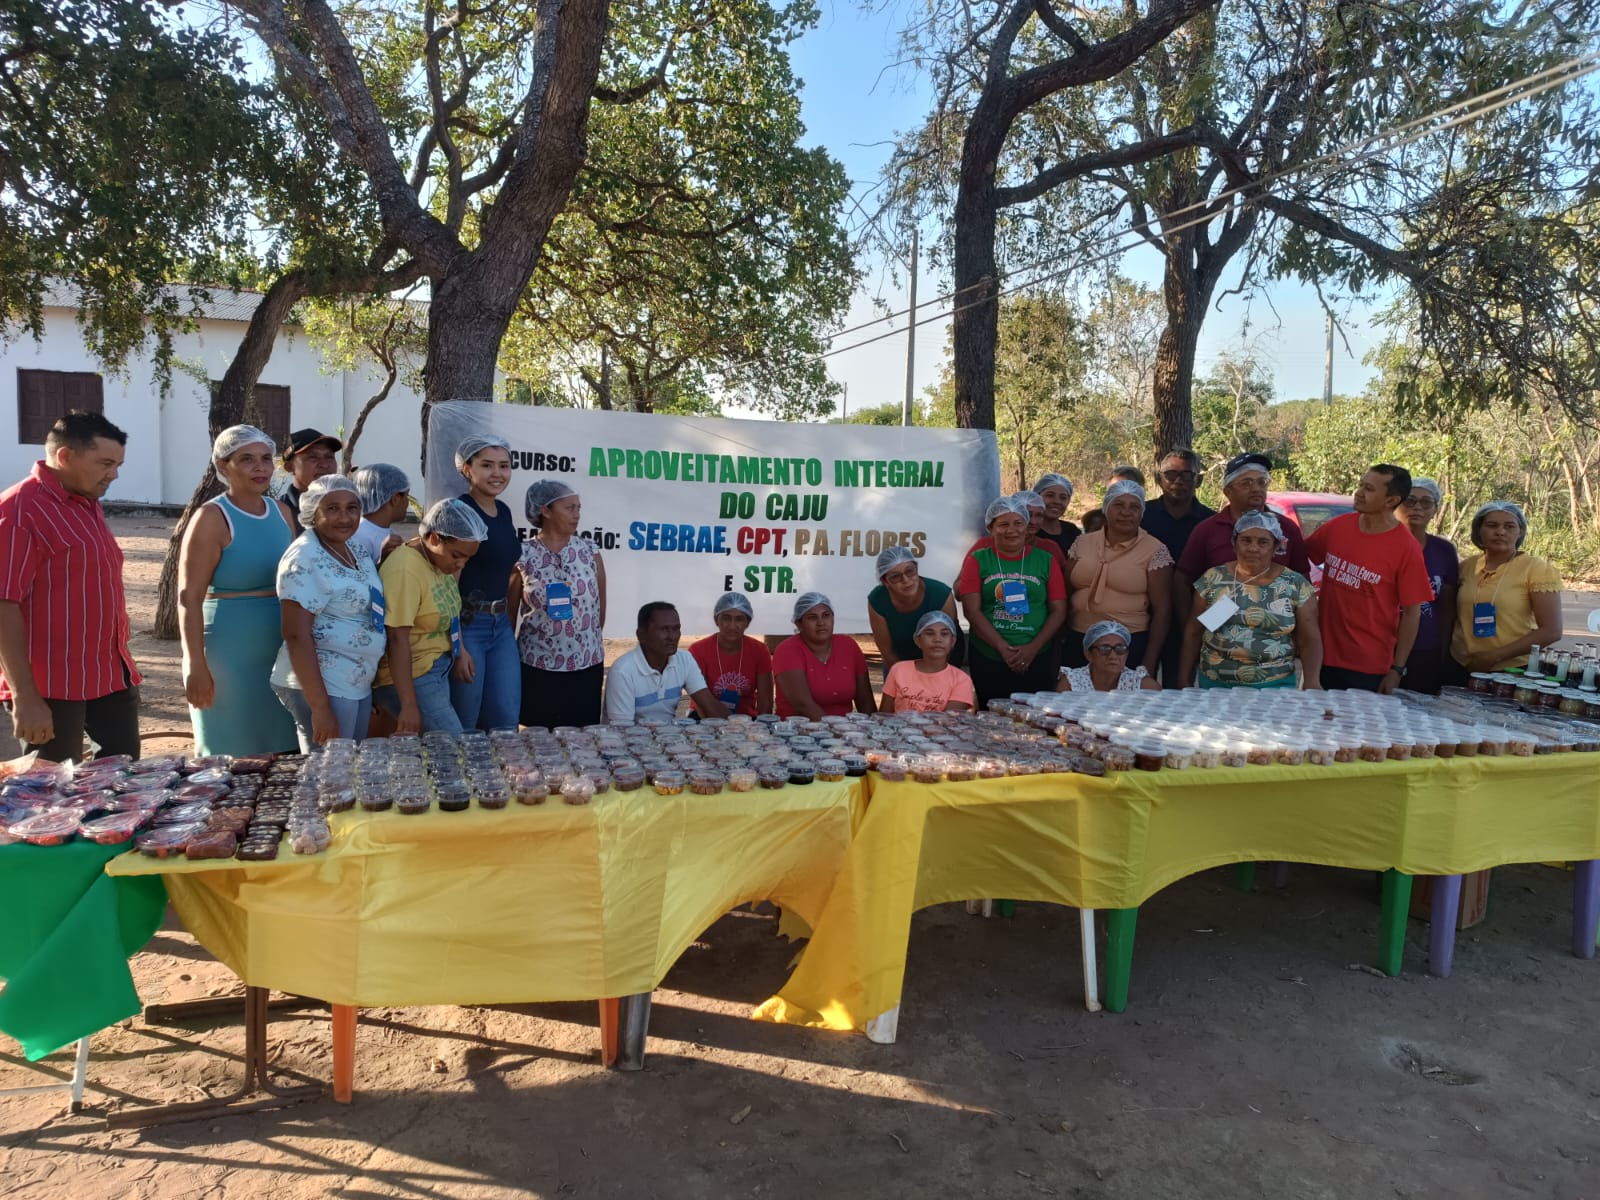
[1508, 601]
[422, 609]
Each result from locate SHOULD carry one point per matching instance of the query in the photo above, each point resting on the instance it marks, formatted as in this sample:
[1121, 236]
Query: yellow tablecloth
[555, 902]
[1114, 842]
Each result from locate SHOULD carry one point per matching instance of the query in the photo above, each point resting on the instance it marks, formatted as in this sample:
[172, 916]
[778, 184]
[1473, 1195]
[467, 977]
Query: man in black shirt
[1170, 520]
[308, 457]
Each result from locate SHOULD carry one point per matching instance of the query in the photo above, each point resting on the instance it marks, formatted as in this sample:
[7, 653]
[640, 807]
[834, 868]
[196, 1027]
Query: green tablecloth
[66, 933]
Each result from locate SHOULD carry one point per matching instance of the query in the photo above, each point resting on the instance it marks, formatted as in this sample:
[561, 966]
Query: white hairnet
[1248, 467]
[1505, 506]
[1101, 628]
[1123, 487]
[732, 602]
[1005, 504]
[937, 617]
[1421, 483]
[541, 494]
[475, 445]
[319, 490]
[378, 484]
[1051, 479]
[892, 557]
[808, 601]
[1256, 519]
[454, 519]
[235, 437]
[1029, 499]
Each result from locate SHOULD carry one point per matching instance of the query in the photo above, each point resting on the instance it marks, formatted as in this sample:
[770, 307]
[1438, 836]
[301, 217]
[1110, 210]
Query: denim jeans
[352, 716]
[494, 697]
[433, 698]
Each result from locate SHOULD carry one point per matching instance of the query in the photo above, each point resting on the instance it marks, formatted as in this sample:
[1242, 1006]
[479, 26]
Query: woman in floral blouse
[1262, 616]
[333, 635]
[559, 595]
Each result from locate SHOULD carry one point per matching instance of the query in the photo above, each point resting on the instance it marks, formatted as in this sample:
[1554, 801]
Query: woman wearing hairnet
[1263, 617]
[738, 669]
[1123, 574]
[1105, 645]
[228, 615]
[559, 597]
[1510, 601]
[820, 675]
[1056, 492]
[1429, 665]
[1015, 600]
[422, 612]
[486, 685]
[385, 498]
[332, 605]
[901, 599]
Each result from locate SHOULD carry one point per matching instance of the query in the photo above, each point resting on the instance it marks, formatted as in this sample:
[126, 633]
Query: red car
[1308, 510]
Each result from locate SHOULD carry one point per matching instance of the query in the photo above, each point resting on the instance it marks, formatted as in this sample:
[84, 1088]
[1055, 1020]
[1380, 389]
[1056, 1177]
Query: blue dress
[242, 636]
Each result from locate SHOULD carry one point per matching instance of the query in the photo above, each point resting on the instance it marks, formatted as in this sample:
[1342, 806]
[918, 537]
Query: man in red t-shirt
[1374, 584]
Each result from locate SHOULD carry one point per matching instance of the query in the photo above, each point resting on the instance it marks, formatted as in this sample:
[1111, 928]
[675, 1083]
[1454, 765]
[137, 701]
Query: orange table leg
[608, 1032]
[344, 1052]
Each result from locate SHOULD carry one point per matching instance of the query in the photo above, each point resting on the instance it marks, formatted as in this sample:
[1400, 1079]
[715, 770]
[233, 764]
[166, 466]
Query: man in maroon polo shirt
[1245, 482]
[65, 669]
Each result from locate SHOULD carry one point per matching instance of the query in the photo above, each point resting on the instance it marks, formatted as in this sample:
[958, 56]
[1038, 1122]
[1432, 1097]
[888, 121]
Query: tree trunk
[976, 322]
[231, 403]
[391, 373]
[1173, 385]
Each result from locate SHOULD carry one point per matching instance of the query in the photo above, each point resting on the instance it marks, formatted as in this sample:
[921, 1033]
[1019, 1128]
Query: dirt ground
[1254, 1060]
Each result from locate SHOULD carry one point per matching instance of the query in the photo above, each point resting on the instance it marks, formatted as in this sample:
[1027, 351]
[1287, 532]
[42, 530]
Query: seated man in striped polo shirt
[65, 668]
[648, 681]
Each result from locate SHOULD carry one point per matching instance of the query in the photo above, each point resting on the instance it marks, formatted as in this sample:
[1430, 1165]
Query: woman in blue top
[228, 603]
[486, 682]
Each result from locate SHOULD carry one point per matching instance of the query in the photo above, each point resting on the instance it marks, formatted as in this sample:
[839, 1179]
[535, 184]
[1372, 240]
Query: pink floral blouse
[550, 645]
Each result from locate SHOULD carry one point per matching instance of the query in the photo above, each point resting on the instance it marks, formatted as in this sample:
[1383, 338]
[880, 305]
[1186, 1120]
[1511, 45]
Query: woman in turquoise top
[230, 621]
[900, 600]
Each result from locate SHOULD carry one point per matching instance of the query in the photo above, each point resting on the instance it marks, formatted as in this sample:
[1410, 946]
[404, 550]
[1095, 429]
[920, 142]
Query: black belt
[494, 607]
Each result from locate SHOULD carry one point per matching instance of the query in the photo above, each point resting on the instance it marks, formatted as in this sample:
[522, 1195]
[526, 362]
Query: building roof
[223, 303]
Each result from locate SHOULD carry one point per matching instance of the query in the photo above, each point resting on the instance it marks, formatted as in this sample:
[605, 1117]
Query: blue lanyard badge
[1014, 596]
[558, 601]
[1483, 619]
[376, 595]
[729, 697]
[455, 637]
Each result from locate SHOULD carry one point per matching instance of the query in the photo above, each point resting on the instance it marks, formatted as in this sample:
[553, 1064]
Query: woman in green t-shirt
[1015, 599]
[900, 600]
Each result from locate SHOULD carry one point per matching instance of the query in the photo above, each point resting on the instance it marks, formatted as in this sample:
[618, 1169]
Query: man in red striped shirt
[65, 669]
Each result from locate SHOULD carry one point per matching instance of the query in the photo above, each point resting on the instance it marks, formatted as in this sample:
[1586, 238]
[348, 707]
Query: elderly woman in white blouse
[1105, 644]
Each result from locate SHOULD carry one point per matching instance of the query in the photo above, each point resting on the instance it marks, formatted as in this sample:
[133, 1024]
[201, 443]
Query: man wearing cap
[1245, 482]
[738, 669]
[309, 456]
[1170, 520]
[648, 681]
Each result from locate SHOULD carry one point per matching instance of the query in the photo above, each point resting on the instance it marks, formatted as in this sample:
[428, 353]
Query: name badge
[376, 596]
[1483, 622]
[729, 698]
[1014, 597]
[1217, 615]
[455, 637]
[558, 601]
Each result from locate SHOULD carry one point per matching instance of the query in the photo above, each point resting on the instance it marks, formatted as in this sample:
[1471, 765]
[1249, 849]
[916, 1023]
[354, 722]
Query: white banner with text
[686, 508]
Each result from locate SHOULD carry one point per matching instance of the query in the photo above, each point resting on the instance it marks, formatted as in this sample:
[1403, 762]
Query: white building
[168, 441]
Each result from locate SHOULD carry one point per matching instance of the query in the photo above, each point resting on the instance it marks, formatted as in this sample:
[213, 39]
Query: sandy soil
[1254, 1060]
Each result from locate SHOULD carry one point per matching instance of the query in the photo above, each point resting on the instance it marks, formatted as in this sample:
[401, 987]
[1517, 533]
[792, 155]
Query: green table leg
[1244, 876]
[1119, 956]
[1392, 922]
[1005, 908]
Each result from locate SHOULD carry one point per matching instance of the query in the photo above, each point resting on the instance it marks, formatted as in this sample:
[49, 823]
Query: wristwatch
[1399, 669]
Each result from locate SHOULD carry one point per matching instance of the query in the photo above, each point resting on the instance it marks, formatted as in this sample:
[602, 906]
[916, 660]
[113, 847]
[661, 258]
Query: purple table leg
[1278, 879]
[1442, 934]
[1585, 907]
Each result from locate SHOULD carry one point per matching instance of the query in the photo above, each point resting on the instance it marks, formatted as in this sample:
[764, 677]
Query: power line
[1389, 140]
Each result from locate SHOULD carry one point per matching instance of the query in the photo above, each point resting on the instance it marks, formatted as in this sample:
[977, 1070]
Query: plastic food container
[165, 842]
[830, 770]
[48, 828]
[112, 830]
[775, 776]
[892, 770]
[1179, 758]
[743, 779]
[1150, 756]
[855, 765]
[1375, 749]
[801, 773]
[493, 798]
[706, 782]
[580, 790]
[1118, 758]
[668, 782]
[413, 804]
[212, 843]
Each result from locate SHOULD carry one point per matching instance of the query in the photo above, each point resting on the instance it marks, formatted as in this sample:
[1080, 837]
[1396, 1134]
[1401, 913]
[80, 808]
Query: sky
[855, 100]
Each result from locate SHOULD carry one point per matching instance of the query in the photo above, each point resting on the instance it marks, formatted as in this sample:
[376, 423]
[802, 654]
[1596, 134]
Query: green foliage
[123, 134]
[702, 250]
[889, 413]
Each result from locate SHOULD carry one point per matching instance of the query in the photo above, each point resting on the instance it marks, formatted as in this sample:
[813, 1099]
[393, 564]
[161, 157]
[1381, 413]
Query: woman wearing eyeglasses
[1430, 662]
[1105, 645]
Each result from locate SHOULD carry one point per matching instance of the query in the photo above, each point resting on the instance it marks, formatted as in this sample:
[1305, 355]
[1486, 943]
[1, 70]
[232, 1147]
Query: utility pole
[911, 334]
[844, 404]
[1327, 364]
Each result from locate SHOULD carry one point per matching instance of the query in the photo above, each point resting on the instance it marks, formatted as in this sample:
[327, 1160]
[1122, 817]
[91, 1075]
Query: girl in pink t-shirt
[930, 683]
